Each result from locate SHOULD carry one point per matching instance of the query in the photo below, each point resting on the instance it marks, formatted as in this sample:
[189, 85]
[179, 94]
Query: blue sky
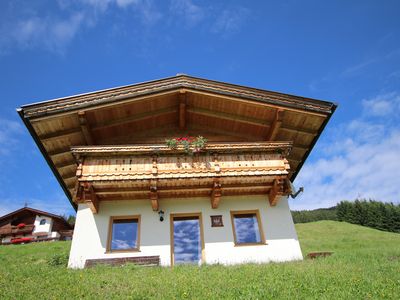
[344, 51]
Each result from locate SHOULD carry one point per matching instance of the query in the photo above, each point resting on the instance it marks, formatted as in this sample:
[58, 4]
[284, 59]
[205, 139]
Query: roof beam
[228, 116]
[68, 176]
[273, 194]
[85, 128]
[216, 194]
[246, 136]
[60, 151]
[90, 198]
[299, 130]
[276, 124]
[182, 109]
[59, 134]
[134, 118]
[301, 147]
[155, 205]
[65, 164]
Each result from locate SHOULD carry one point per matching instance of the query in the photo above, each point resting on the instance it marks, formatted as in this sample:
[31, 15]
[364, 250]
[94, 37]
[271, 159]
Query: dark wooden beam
[273, 194]
[216, 194]
[182, 110]
[69, 175]
[134, 118]
[154, 196]
[90, 198]
[85, 128]
[205, 128]
[59, 134]
[276, 124]
[228, 116]
[65, 164]
[301, 147]
[60, 151]
[299, 130]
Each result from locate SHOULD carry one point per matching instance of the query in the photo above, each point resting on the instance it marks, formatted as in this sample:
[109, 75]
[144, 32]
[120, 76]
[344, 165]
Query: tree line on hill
[375, 214]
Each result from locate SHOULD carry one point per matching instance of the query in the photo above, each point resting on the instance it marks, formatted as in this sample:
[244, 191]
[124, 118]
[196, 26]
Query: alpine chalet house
[27, 225]
[179, 170]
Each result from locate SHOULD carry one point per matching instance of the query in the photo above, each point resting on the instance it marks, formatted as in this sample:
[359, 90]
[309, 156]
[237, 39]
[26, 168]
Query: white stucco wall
[90, 234]
[45, 227]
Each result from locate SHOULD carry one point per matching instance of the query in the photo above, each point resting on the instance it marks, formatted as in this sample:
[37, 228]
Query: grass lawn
[365, 265]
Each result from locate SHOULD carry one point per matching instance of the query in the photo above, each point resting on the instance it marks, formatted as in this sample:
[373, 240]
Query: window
[247, 229]
[124, 234]
[42, 221]
[187, 239]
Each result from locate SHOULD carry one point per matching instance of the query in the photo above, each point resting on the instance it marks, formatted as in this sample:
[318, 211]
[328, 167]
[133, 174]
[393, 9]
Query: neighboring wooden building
[225, 204]
[27, 225]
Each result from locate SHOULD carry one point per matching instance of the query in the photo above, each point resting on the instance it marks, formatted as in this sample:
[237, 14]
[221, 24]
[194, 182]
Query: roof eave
[46, 156]
[334, 106]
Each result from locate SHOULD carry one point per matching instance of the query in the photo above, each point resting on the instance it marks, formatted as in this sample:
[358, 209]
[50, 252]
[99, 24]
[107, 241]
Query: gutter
[45, 155]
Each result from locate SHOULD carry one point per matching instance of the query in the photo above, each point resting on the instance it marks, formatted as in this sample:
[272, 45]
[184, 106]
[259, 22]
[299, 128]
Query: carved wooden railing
[15, 230]
[155, 171]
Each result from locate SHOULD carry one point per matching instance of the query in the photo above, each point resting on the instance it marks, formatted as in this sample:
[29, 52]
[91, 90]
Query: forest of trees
[375, 214]
[305, 216]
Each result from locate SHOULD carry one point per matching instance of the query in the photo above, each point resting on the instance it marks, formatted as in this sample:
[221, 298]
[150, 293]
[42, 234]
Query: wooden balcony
[14, 230]
[155, 171]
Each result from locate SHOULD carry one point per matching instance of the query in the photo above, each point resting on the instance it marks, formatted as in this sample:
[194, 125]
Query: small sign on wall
[216, 221]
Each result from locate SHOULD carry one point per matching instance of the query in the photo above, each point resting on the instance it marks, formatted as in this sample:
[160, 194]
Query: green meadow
[365, 265]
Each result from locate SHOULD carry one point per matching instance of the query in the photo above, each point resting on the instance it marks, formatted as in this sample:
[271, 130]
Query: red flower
[21, 225]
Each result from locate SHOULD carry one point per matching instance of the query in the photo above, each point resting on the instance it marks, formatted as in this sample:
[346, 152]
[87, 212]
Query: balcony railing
[14, 230]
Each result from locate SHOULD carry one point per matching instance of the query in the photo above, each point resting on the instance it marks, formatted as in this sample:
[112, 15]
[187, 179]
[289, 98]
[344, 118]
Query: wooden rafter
[228, 116]
[153, 186]
[276, 124]
[299, 130]
[216, 194]
[85, 128]
[133, 118]
[273, 194]
[65, 164]
[59, 134]
[69, 175]
[182, 109]
[206, 128]
[154, 197]
[60, 151]
[301, 147]
[90, 197]
[129, 190]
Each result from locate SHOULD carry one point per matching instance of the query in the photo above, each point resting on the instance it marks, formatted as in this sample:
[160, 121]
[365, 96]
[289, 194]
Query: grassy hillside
[365, 265]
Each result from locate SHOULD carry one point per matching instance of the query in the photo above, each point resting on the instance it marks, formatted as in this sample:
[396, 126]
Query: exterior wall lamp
[161, 215]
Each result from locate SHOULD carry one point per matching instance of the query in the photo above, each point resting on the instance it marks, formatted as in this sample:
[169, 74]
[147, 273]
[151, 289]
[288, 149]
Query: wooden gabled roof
[147, 113]
[28, 210]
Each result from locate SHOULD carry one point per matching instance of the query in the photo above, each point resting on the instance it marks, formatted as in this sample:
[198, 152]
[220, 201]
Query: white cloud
[9, 135]
[54, 30]
[362, 159]
[383, 105]
[230, 20]
[52, 33]
[188, 11]
[37, 27]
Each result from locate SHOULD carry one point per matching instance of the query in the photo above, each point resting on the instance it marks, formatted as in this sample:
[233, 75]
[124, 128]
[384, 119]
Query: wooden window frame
[260, 227]
[171, 226]
[109, 238]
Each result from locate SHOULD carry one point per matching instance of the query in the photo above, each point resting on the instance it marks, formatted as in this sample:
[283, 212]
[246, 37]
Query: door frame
[171, 222]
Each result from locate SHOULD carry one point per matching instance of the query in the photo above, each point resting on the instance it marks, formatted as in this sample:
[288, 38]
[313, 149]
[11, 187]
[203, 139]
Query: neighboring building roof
[103, 117]
[36, 212]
